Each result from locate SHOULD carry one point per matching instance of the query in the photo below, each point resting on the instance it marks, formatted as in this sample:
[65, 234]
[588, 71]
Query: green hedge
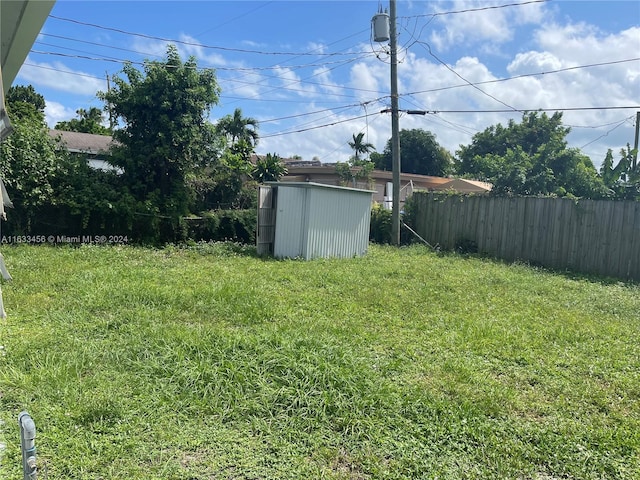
[224, 225]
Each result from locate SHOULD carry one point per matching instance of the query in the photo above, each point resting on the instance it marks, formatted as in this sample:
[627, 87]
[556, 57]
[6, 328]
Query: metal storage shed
[310, 220]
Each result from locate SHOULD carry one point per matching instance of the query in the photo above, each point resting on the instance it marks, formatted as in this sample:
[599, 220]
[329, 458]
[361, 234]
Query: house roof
[77, 142]
[329, 170]
[465, 186]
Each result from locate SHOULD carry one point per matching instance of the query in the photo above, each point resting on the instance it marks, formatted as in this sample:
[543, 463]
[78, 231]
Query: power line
[283, 87]
[524, 75]
[427, 47]
[313, 128]
[197, 44]
[563, 109]
[423, 91]
[62, 71]
[432, 90]
[600, 126]
[359, 55]
[453, 111]
[316, 112]
[217, 67]
[606, 133]
[479, 9]
[235, 18]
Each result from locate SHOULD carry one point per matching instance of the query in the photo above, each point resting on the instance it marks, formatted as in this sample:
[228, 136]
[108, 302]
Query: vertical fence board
[505, 230]
[568, 233]
[519, 230]
[631, 240]
[482, 225]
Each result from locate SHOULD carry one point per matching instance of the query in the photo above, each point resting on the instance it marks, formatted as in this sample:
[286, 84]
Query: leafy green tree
[88, 121]
[237, 129]
[350, 173]
[623, 180]
[530, 158]
[165, 137]
[29, 158]
[269, 168]
[356, 169]
[359, 146]
[23, 102]
[419, 153]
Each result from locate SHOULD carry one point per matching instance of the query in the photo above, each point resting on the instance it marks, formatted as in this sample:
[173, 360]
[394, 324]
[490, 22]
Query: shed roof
[317, 185]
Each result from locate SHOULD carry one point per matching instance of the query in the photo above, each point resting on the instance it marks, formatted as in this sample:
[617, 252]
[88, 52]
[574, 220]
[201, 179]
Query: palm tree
[359, 146]
[237, 128]
[269, 169]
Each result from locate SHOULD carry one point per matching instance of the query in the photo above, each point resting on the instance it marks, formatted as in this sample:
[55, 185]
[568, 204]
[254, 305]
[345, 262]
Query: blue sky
[310, 72]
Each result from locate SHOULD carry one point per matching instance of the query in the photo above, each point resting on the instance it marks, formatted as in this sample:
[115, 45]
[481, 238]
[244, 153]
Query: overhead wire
[561, 109]
[78, 74]
[343, 62]
[313, 128]
[282, 87]
[196, 44]
[293, 54]
[427, 47]
[606, 133]
[478, 9]
[217, 67]
[433, 111]
[432, 90]
[524, 75]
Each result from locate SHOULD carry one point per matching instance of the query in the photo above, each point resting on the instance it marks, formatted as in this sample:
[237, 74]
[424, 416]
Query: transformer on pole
[380, 22]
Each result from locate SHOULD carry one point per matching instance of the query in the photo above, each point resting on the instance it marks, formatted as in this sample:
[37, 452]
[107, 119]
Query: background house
[95, 147]
[381, 181]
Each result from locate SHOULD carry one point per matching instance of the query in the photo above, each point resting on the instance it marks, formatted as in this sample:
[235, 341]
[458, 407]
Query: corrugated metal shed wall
[338, 223]
[316, 220]
[290, 222]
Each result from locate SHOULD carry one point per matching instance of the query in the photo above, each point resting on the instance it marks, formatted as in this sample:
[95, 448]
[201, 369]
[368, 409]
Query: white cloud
[532, 62]
[243, 85]
[316, 47]
[55, 112]
[323, 76]
[493, 26]
[552, 47]
[206, 56]
[58, 76]
[368, 78]
[290, 82]
[586, 44]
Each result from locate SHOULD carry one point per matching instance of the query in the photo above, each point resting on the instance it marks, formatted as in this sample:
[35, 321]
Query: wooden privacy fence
[589, 236]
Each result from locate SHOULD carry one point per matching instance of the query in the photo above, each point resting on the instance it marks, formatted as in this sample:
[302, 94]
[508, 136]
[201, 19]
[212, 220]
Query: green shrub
[380, 229]
[224, 225]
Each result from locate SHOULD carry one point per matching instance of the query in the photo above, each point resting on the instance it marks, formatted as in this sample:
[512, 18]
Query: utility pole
[635, 143]
[111, 121]
[395, 126]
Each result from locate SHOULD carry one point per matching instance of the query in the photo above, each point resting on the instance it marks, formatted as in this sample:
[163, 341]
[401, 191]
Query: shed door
[266, 220]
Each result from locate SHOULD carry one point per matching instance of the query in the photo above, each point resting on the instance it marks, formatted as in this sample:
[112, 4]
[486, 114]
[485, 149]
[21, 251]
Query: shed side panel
[290, 222]
[338, 223]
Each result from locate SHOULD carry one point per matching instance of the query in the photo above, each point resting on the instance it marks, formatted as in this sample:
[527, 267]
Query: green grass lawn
[210, 363]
